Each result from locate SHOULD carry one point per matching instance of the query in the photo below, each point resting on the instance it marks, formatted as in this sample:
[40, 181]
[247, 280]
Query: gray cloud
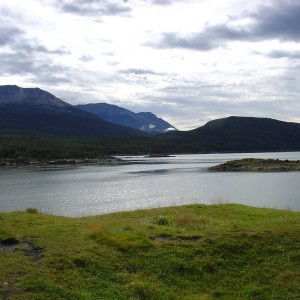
[31, 47]
[138, 72]
[26, 57]
[41, 69]
[16, 39]
[162, 2]
[9, 34]
[168, 2]
[39, 66]
[16, 64]
[212, 37]
[86, 58]
[93, 7]
[280, 21]
[281, 54]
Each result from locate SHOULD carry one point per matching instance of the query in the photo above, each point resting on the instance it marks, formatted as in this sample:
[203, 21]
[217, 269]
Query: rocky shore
[31, 162]
[258, 165]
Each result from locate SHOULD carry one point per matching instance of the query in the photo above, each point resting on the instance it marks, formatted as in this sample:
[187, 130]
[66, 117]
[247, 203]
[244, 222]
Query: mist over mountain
[32, 111]
[144, 121]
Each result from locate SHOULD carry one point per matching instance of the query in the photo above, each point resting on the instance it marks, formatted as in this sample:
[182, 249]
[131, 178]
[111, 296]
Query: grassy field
[189, 252]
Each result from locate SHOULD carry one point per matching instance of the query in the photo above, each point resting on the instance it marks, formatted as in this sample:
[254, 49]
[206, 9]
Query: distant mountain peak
[37, 112]
[13, 94]
[234, 120]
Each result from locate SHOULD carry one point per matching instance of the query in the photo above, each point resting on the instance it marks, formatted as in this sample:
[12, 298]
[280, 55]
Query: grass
[189, 252]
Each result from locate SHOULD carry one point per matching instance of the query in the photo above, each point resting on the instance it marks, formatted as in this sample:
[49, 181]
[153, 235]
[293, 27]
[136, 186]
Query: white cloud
[211, 58]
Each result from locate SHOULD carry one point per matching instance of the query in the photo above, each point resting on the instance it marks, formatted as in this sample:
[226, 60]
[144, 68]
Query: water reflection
[147, 182]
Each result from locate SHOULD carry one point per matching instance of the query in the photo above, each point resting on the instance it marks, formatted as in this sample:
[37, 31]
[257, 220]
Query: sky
[188, 61]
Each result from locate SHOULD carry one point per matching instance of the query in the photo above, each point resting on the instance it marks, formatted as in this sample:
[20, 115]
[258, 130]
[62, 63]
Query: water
[147, 183]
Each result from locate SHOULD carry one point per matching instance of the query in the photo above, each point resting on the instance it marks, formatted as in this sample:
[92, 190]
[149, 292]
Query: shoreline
[21, 162]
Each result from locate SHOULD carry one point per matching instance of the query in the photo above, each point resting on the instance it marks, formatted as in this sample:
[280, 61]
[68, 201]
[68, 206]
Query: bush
[32, 210]
[163, 220]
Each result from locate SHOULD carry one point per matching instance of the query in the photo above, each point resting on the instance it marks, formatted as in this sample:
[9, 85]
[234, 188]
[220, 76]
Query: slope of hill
[186, 252]
[32, 111]
[245, 134]
[144, 121]
[206, 139]
[13, 95]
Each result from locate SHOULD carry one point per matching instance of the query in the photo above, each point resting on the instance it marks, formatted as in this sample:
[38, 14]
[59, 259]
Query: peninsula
[257, 164]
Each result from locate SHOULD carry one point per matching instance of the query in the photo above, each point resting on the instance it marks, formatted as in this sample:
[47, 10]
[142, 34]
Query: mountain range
[32, 111]
[144, 121]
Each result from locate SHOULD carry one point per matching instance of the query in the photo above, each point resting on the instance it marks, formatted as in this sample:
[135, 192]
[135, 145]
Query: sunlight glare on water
[147, 183]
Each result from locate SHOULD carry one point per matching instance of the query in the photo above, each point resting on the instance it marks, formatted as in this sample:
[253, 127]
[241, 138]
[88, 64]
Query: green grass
[190, 252]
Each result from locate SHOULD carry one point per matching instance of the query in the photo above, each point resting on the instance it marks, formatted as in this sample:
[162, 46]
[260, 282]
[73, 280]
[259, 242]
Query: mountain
[14, 95]
[32, 111]
[144, 121]
[242, 134]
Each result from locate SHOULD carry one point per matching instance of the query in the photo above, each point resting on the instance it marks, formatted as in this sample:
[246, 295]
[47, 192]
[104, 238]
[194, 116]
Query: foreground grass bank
[189, 252]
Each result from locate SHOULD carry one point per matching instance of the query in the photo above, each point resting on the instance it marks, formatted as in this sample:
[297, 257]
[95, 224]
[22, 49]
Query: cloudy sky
[188, 61]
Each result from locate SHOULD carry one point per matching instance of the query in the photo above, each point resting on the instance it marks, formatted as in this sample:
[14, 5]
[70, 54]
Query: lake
[147, 183]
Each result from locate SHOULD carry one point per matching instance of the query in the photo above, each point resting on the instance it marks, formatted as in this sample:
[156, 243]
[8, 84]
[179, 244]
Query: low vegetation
[189, 252]
[12, 147]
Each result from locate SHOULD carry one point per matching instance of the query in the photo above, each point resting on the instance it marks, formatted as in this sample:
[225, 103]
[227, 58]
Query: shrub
[32, 210]
[163, 220]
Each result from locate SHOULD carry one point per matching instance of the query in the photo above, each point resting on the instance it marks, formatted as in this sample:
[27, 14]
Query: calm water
[148, 182]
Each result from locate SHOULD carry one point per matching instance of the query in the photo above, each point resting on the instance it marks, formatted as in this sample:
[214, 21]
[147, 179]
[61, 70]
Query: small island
[258, 165]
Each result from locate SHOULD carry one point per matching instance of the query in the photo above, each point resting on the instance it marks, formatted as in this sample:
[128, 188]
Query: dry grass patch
[123, 237]
[187, 219]
[97, 230]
